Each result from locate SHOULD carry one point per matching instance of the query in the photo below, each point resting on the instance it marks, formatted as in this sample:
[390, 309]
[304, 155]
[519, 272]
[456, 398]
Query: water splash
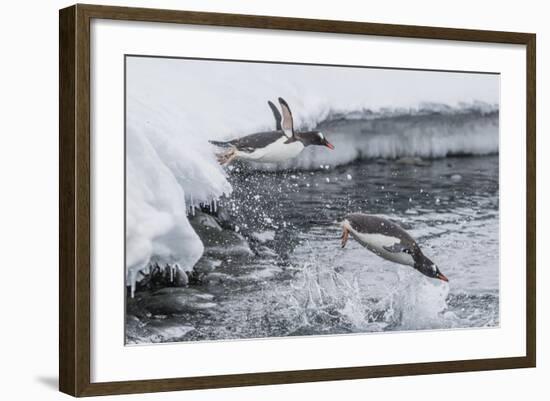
[418, 303]
[410, 302]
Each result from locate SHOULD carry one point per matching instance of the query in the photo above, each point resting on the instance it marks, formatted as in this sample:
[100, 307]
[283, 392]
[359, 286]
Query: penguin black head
[314, 138]
[429, 268]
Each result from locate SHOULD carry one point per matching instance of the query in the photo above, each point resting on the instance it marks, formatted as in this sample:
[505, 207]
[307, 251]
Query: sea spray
[417, 303]
[409, 301]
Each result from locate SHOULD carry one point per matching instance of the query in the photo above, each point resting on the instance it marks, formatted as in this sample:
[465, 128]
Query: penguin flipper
[276, 115]
[287, 123]
[397, 247]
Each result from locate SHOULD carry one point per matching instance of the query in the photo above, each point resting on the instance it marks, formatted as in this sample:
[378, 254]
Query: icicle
[191, 206]
[215, 205]
[133, 280]
[171, 273]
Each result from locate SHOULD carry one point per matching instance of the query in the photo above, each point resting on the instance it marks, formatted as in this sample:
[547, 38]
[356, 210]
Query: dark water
[296, 280]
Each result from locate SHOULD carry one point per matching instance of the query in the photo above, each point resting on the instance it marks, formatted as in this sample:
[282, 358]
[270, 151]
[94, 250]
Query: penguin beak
[441, 276]
[329, 145]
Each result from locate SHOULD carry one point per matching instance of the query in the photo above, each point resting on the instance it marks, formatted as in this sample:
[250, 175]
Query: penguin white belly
[376, 243]
[276, 152]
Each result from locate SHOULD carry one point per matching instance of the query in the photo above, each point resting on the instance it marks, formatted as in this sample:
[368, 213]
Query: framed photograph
[250, 200]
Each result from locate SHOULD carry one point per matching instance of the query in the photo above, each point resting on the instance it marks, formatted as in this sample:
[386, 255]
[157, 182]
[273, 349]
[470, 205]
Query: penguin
[389, 241]
[272, 146]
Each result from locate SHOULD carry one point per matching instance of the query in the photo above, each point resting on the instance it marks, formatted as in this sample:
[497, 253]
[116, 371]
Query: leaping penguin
[272, 146]
[389, 241]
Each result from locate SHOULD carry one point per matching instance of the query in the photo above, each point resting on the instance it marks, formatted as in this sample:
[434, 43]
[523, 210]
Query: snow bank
[169, 166]
[426, 133]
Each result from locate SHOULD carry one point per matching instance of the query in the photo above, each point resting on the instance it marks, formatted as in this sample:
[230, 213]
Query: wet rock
[134, 311]
[189, 292]
[204, 221]
[176, 301]
[224, 217]
[162, 275]
[217, 241]
[227, 243]
[219, 278]
[180, 277]
[265, 251]
[204, 267]
[207, 265]
[133, 324]
[240, 249]
[176, 306]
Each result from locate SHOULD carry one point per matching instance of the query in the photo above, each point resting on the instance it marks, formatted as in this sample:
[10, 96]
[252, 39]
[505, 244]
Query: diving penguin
[272, 146]
[389, 241]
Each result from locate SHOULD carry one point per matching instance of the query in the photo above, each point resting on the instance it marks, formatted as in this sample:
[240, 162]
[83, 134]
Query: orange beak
[329, 145]
[441, 276]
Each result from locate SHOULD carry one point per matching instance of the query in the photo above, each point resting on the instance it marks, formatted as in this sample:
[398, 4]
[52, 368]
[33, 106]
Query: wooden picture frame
[75, 208]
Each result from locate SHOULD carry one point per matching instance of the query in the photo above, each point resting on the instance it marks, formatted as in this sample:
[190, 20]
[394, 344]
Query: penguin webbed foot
[224, 158]
[345, 237]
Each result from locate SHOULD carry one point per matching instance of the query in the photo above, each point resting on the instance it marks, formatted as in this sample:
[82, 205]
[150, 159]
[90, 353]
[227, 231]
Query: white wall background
[29, 184]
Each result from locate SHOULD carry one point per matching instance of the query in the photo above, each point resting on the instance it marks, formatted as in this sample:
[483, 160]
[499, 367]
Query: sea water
[301, 282]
